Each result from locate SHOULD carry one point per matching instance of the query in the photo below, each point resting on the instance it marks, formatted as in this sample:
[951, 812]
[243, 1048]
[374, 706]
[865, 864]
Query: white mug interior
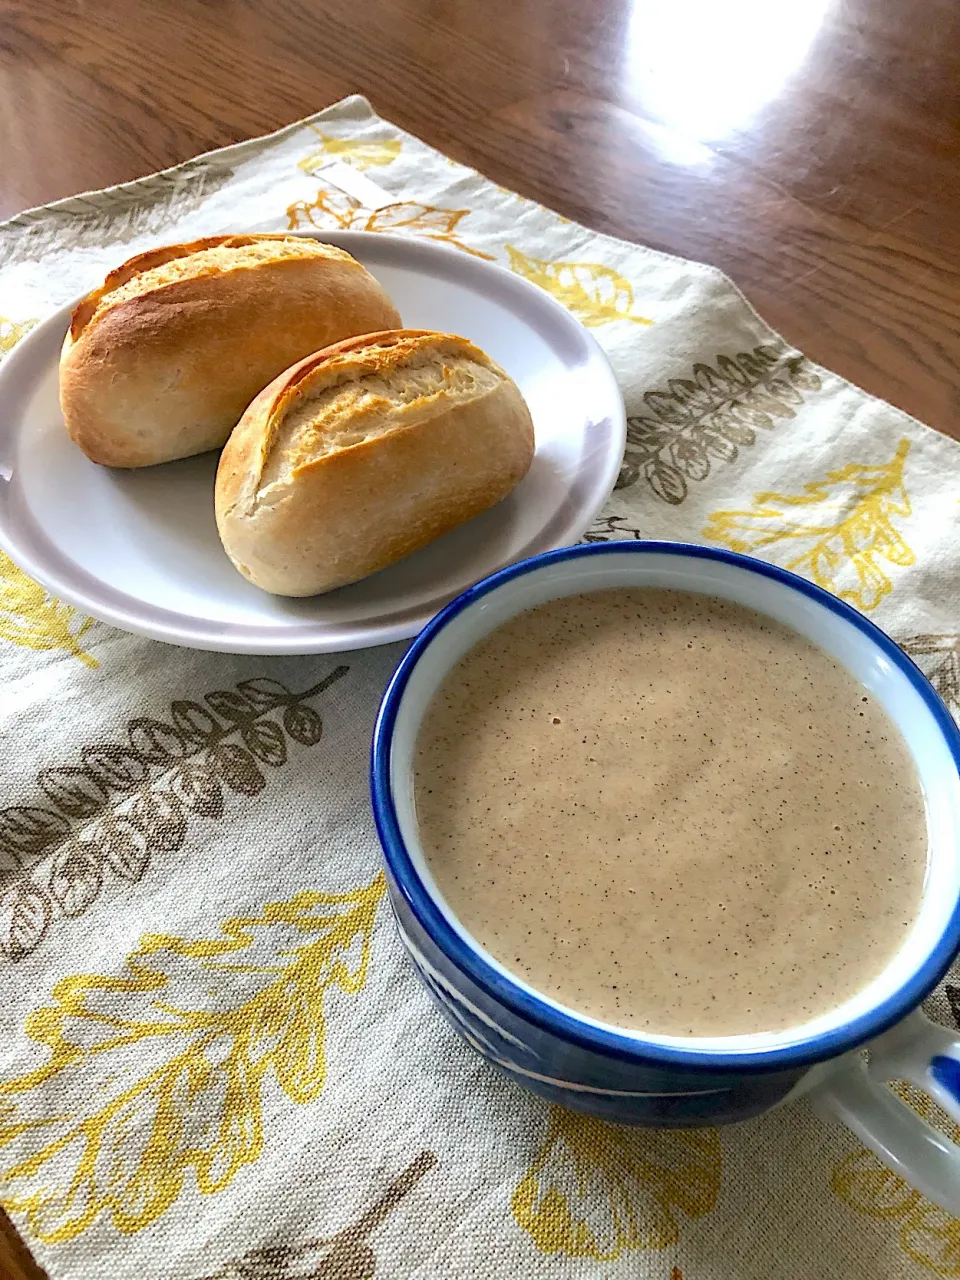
[887, 682]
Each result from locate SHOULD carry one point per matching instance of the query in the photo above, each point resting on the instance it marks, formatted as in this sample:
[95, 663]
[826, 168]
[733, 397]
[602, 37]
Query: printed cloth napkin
[214, 1058]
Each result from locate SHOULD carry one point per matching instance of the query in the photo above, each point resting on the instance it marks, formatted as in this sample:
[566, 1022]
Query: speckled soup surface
[671, 813]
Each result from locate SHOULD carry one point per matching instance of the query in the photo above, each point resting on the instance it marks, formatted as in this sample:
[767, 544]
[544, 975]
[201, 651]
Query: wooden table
[810, 148]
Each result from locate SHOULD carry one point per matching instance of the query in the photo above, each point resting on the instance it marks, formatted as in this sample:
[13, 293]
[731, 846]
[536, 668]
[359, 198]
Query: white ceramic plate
[139, 549]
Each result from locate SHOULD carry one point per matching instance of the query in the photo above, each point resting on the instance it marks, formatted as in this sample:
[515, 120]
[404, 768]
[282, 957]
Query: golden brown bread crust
[161, 361]
[365, 452]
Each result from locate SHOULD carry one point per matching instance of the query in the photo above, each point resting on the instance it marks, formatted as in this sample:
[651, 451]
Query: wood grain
[811, 150]
[16, 1263]
[832, 198]
[831, 195]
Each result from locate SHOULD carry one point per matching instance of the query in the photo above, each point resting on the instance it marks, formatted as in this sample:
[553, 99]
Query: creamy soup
[671, 813]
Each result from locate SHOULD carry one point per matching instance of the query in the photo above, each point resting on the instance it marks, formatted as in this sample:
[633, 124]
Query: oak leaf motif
[160, 1068]
[836, 531]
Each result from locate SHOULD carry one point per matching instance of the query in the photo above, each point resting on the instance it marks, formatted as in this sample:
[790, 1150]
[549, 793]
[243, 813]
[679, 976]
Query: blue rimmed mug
[632, 1077]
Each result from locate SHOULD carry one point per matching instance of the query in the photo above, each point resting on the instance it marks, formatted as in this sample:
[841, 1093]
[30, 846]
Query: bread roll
[163, 358]
[365, 452]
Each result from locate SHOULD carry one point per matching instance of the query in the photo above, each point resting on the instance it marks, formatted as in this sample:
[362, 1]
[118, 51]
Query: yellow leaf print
[594, 293]
[362, 155]
[331, 208]
[424, 219]
[836, 532]
[597, 1191]
[11, 332]
[926, 1233]
[32, 618]
[161, 1070]
[334, 208]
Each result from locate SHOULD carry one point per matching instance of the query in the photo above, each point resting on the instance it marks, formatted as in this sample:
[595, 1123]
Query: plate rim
[300, 638]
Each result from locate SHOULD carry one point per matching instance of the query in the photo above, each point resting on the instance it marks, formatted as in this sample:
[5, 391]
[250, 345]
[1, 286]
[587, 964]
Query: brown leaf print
[953, 998]
[613, 529]
[938, 657]
[345, 1256]
[115, 216]
[126, 803]
[709, 417]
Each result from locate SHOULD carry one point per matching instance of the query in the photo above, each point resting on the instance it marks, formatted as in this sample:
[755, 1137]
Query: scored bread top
[214, 255]
[364, 452]
[358, 390]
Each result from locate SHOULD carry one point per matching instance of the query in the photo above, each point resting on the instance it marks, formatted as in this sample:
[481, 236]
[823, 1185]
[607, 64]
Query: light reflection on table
[706, 68]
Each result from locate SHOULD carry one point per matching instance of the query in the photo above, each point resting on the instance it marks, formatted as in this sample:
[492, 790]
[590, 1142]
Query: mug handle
[927, 1055]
